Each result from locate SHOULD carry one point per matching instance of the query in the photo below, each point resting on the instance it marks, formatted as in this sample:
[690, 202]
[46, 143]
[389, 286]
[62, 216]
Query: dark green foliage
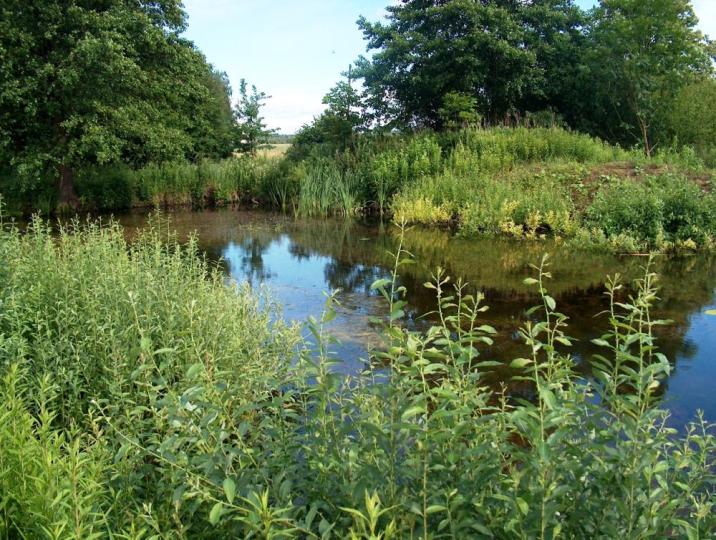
[497, 54]
[692, 119]
[612, 72]
[87, 83]
[640, 53]
[214, 130]
[664, 210]
[106, 188]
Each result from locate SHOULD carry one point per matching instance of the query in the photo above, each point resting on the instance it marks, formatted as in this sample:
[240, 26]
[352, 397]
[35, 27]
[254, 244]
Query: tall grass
[141, 398]
[245, 179]
[325, 190]
[519, 182]
[522, 182]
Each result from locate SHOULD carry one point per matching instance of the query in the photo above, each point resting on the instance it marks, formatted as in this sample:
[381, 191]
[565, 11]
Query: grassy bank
[520, 182]
[525, 183]
[142, 398]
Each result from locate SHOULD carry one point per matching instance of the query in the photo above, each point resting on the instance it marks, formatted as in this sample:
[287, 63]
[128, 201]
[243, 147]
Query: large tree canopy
[498, 54]
[612, 71]
[639, 54]
[100, 81]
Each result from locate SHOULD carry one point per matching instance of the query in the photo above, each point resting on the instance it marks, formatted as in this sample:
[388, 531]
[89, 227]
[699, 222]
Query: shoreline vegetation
[141, 396]
[520, 182]
[525, 119]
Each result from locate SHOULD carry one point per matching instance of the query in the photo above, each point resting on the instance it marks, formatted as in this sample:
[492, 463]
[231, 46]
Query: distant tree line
[96, 82]
[629, 71]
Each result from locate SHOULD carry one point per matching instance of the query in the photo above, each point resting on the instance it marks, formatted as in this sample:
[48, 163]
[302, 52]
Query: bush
[627, 207]
[105, 188]
[141, 397]
[688, 213]
[661, 211]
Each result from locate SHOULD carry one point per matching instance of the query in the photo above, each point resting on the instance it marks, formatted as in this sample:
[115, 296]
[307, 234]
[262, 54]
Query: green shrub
[663, 210]
[141, 397]
[688, 213]
[105, 188]
[627, 207]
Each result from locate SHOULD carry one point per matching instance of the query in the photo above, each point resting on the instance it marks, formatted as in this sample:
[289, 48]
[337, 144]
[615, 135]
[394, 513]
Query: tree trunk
[66, 188]
[645, 137]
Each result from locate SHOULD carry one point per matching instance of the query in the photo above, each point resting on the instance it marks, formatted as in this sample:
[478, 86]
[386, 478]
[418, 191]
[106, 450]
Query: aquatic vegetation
[141, 397]
[327, 190]
[163, 185]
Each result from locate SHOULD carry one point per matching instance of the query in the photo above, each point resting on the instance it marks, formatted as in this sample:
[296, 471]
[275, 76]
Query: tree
[333, 130]
[87, 82]
[641, 52]
[495, 52]
[252, 132]
[692, 118]
[342, 118]
[213, 127]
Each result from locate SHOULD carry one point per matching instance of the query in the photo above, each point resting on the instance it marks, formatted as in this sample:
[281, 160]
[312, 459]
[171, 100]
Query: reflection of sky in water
[692, 384]
[298, 281]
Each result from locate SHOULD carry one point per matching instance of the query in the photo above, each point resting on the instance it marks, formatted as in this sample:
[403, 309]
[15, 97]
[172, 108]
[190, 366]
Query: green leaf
[530, 281]
[551, 304]
[194, 370]
[479, 527]
[518, 363]
[379, 284]
[711, 312]
[216, 512]
[229, 489]
[522, 504]
[548, 397]
[413, 411]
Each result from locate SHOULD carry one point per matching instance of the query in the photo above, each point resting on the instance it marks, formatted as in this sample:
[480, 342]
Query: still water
[300, 260]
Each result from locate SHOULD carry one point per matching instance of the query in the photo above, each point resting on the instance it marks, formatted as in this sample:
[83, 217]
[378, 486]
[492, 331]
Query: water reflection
[301, 260]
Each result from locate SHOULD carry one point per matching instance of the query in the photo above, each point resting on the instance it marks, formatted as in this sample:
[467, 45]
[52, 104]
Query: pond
[300, 260]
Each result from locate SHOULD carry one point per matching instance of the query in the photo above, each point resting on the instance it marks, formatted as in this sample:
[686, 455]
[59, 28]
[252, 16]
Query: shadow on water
[301, 260]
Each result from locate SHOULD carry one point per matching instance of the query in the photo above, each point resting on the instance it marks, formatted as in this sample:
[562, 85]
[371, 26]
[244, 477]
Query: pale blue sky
[295, 50]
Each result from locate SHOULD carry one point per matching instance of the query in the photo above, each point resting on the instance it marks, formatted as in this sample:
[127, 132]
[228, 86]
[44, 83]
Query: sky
[296, 50]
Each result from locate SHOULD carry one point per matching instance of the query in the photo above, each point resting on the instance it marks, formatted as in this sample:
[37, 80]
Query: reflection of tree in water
[246, 258]
[358, 255]
[299, 252]
[351, 277]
